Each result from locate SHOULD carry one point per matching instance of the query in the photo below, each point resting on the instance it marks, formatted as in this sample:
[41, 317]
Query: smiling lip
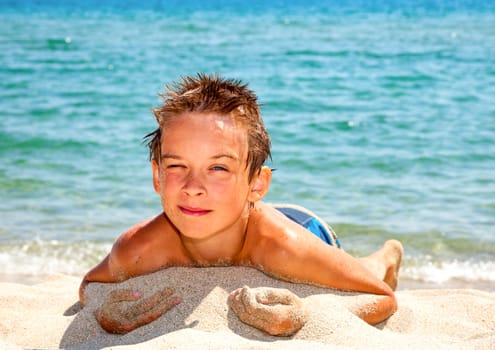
[194, 211]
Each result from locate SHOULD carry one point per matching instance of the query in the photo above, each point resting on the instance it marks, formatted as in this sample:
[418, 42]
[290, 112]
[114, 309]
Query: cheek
[170, 183]
[234, 192]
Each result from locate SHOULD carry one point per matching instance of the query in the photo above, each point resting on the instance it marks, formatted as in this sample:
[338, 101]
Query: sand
[48, 316]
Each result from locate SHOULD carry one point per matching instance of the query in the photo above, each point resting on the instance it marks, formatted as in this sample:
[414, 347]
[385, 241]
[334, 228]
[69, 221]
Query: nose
[193, 185]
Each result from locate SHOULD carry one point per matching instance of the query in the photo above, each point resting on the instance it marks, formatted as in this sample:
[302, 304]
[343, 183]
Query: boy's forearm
[99, 273]
[82, 289]
[334, 270]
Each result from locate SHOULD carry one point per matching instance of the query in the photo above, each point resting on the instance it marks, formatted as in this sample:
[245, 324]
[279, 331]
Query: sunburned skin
[283, 314]
[211, 191]
[277, 312]
[280, 312]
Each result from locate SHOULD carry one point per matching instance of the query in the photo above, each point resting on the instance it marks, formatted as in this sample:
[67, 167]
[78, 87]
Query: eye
[219, 168]
[175, 166]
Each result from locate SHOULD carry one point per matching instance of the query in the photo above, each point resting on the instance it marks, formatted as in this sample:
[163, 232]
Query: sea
[381, 114]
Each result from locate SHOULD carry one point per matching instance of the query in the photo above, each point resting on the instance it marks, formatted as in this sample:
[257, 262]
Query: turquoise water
[382, 118]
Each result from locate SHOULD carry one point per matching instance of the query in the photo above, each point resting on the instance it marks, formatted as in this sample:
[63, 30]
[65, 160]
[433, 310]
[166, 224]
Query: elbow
[386, 307]
[393, 306]
[379, 310]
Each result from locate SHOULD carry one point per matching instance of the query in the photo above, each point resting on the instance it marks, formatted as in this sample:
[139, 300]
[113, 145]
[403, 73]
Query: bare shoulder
[281, 247]
[269, 223]
[271, 233]
[138, 237]
[146, 247]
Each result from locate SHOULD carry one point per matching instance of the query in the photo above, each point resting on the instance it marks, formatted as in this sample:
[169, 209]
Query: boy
[207, 158]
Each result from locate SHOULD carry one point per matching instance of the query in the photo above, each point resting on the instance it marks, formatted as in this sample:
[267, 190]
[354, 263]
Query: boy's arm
[89, 277]
[100, 273]
[144, 248]
[116, 315]
[117, 265]
[327, 266]
[290, 252]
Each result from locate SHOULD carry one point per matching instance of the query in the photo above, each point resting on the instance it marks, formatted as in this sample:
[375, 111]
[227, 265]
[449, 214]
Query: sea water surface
[382, 118]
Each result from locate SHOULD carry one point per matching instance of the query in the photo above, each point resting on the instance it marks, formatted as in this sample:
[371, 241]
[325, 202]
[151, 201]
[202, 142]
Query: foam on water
[32, 261]
[431, 271]
[42, 258]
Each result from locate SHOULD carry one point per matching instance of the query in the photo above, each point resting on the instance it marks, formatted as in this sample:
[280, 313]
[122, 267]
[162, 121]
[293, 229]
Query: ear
[260, 184]
[156, 175]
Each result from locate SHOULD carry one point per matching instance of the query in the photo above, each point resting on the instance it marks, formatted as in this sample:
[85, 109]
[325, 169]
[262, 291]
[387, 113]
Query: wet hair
[214, 94]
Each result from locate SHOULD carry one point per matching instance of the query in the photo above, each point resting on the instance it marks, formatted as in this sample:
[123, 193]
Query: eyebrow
[168, 155]
[226, 155]
[217, 156]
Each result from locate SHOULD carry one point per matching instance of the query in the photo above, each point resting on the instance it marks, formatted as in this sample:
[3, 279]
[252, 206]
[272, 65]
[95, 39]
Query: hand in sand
[275, 311]
[118, 313]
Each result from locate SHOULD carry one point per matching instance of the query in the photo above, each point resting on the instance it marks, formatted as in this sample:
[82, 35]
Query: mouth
[194, 211]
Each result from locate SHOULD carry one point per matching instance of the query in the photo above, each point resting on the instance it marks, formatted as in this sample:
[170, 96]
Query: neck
[221, 249]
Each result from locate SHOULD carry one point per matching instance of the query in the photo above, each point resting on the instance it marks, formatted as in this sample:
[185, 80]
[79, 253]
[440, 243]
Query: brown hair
[214, 94]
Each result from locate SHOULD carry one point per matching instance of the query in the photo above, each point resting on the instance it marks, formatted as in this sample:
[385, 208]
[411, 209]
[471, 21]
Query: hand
[118, 315]
[275, 311]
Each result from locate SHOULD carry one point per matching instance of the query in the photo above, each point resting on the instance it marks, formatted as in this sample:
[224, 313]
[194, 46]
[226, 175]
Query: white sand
[47, 315]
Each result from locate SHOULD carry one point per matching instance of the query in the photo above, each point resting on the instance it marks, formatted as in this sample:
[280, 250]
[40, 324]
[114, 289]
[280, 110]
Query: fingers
[148, 304]
[236, 304]
[156, 305]
[112, 322]
[123, 295]
[275, 311]
[114, 316]
[271, 296]
[158, 309]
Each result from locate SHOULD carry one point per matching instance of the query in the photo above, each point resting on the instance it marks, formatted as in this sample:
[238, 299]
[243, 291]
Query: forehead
[205, 129]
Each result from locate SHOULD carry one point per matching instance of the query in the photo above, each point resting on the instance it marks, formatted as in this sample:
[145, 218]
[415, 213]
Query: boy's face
[202, 177]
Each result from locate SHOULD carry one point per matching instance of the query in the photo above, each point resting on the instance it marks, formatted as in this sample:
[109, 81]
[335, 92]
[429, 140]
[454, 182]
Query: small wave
[44, 257]
[59, 43]
[34, 259]
[427, 270]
